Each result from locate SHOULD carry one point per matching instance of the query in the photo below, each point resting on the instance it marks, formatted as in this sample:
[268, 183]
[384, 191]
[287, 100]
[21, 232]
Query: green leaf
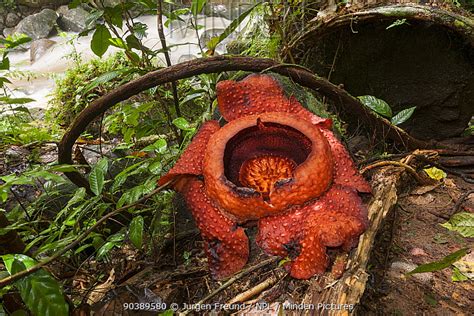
[8, 100]
[212, 44]
[96, 177]
[197, 6]
[182, 124]
[159, 146]
[115, 15]
[108, 76]
[435, 173]
[41, 293]
[136, 231]
[377, 105]
[403, 116]
[397, 23]
[156, 167]
[100, 40]
[93, 17]
[441, 264]
[133, 42]
[458, 276]
[5, 64]
[463, 223]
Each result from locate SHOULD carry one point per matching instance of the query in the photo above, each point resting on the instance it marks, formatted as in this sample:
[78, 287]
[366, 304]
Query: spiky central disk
[261, 173]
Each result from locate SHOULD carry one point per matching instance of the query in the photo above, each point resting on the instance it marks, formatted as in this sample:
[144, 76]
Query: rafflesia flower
[276, 163]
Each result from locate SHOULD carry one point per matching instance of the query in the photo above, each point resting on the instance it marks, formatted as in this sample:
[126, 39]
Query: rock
[399, 268]
[41, 3]
[12, 20]
[73, 20]
[230, 11]
[39, 47]
[8, 31]
[38, 25]
[186, 57]
[62, 10]
[418, 252]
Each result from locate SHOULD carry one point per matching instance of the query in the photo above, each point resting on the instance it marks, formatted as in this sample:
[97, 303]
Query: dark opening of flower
[277, 163]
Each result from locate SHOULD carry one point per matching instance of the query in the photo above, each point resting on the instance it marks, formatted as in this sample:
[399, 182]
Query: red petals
[336, 219]
[276, 162]
[260, 94]
[346, 173]
[191, 160]
[226, 244]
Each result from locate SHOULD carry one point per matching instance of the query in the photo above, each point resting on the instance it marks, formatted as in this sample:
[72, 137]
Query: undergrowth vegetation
[122, 155]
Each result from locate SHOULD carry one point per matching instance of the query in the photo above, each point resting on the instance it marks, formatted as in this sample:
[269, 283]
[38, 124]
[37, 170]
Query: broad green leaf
[197, 6]
[182, 124]
[96, 177]
[377, 105]
[435, 173]
[100, 40]
[108, 76]
[105, 249]
[403, 116]
[441, 264]
[462, 223]
[159, 146]
[212, 44]
[41, 293]
[115, 15]
[156, 167]
[136, 231]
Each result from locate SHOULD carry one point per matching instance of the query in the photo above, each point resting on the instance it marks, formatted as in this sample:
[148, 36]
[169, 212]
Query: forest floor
[176, 272]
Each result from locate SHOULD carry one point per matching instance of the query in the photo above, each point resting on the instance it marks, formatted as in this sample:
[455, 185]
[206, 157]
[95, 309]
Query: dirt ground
[177, 272]
[411, 236]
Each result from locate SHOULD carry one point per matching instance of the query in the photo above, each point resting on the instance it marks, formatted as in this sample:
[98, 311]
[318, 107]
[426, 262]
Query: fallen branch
[79, 239]
[236, 277]
[342, 99]
[394, 163]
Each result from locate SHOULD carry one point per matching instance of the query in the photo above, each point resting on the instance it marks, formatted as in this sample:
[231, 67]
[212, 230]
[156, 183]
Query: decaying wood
[351, 286]
[341, 98]
[456, 22]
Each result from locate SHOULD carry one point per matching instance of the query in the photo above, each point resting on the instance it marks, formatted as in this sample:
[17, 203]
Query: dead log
[351, 286]
[406, 54]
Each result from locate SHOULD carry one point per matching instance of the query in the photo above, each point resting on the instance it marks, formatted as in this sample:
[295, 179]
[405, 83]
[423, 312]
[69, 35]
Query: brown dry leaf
[425, 189]
[453, 190]
[421, 199]
[99, 291]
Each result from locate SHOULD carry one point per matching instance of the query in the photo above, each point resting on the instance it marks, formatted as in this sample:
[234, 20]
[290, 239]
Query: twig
[460, 201]
[233, 279]
[257, 289]
[79, 239]
[395, 163]
[161, 34]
